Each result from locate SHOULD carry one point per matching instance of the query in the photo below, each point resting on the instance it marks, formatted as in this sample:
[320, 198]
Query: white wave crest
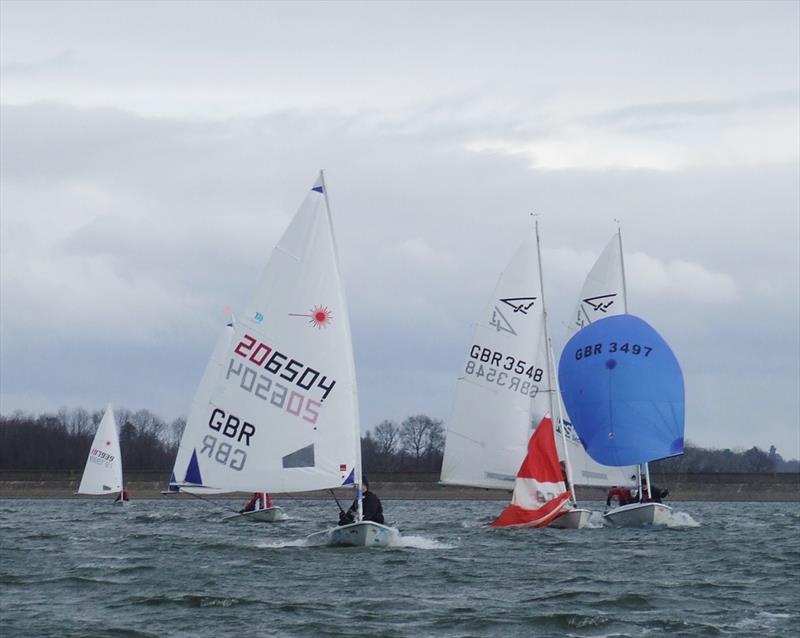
[681, 519]
[419, 542]
[298, 542]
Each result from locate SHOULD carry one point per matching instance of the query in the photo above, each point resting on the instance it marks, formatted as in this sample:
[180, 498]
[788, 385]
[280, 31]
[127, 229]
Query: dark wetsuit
[371, 505]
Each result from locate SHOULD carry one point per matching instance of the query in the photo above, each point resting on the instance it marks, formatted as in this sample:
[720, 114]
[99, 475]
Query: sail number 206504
[277, 363]
[584, 352]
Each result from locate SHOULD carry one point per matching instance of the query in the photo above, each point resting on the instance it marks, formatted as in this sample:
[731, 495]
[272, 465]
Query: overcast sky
[151, 154]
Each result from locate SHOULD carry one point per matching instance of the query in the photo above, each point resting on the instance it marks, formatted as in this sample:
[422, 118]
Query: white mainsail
[282, 414]
[603, 295]
[211, 379]
[490, 424]
[603, 292]
[103, 471]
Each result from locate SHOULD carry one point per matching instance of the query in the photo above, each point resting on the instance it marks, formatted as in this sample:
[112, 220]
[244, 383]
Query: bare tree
[387, 435]
[420, 434]
[176, 429]
[436, 437]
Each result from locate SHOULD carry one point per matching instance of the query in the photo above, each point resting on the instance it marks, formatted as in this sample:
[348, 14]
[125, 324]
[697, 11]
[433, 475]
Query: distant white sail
[603, 295]
[282, 416]
[489, 428]
[103, 471]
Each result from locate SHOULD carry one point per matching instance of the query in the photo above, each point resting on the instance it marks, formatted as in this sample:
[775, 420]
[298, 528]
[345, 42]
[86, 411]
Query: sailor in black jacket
[371, 506]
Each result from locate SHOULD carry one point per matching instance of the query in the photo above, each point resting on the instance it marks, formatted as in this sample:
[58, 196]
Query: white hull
[638, 515]
[363, 534]
[572, 519]
[268, 515]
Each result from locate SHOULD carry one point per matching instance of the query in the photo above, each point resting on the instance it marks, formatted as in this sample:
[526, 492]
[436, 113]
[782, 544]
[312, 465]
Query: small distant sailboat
[623, 389]
[103, 471]
[277, 409]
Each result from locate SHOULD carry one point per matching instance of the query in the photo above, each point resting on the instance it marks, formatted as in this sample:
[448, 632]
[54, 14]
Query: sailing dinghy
[264, 512]
[603, 295]
[507, 388]
[279, 410]
[623, 389]
[103, 471]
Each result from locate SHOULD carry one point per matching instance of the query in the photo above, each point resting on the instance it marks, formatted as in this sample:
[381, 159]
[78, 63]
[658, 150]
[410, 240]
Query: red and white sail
[540, 494]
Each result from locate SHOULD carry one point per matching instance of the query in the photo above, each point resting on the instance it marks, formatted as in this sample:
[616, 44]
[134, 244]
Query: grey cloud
[198, 206]
[643, 117]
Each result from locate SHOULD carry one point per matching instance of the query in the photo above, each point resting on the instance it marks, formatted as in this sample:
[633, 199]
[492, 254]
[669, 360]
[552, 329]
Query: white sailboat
[281, 412]
[604, 296]
[259, 509]
[103, 471]
[506, 391]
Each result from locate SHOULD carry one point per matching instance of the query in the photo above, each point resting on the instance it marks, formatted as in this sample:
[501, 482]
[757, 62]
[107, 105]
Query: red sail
[540, 494]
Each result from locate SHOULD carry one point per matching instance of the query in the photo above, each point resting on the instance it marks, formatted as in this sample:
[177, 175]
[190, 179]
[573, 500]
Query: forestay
[623, 387]
[490, 424]
[103, 471]
[282, 416]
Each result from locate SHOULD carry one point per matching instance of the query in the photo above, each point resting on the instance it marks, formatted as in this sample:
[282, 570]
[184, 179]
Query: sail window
[304, 457]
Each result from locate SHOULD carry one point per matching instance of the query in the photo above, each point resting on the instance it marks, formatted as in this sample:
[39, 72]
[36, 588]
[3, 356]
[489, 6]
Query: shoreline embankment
[425, 486]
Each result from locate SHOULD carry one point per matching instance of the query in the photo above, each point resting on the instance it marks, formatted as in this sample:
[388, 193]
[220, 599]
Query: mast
[622, 266]
[644, 468]
[356, 424]
[550, 365]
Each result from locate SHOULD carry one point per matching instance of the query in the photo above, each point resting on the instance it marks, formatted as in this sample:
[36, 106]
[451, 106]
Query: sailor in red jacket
[622, 494]
[260, 500]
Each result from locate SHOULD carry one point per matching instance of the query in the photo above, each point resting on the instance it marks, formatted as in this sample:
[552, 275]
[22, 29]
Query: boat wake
[595, 520]
[681, 519]
[419, 542]
[319, 540]
[299, 542]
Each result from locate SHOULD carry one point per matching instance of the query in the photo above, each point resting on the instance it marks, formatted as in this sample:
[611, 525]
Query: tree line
[61, 441]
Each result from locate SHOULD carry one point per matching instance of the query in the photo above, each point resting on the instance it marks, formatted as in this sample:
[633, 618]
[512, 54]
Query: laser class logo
[319, 316]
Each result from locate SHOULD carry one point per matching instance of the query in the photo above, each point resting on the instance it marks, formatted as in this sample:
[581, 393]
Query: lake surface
[170, 568]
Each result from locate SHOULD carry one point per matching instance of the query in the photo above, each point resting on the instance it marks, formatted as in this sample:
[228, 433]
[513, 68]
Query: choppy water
[170, 568]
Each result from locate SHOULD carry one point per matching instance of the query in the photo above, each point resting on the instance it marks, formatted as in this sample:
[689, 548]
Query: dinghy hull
[363, 534]
[572, 519]
[638, 515]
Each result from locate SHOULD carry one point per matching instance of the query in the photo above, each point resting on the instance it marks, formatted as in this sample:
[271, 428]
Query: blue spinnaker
[623, 389]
